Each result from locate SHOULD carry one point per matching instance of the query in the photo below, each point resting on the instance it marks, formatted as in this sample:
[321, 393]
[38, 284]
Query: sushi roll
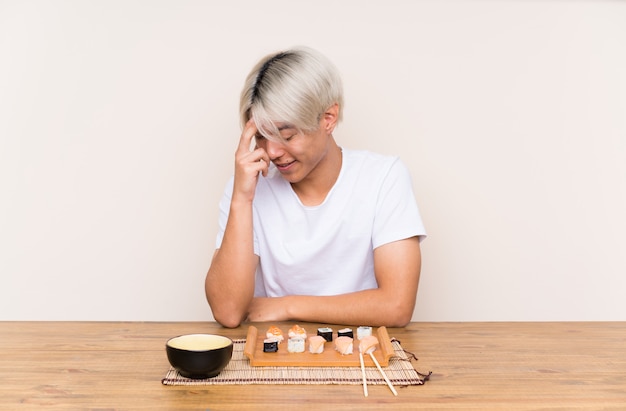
[275, 332]
[295, 344]
[297, 331]
[344, 345]
[345, 332]
[270, 345]
[316, 344]
[326, 332]
[363, 331]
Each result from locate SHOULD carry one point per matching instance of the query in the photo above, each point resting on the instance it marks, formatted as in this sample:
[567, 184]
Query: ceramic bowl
[199, 355]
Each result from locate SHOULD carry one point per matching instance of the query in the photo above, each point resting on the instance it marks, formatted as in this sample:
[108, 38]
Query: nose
[274, 149]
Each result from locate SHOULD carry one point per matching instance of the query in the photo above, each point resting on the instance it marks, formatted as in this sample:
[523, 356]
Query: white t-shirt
[328, 249]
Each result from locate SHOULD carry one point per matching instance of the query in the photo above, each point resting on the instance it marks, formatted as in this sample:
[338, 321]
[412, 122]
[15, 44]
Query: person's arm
[397, 268]
[229, 283]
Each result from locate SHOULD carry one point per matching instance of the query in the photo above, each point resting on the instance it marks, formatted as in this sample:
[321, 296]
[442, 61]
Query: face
[301, 154]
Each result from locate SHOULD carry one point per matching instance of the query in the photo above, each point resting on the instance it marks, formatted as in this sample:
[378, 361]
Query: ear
[330, 118]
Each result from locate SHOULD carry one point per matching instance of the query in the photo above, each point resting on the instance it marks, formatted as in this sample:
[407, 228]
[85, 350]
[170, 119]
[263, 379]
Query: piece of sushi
[344, 345]
[270, 345]
[295, 344]
[346, 332]
[316, 344]
[275, 332]
[326, 332]
[368, 344]
[363, 331]
[297, 331]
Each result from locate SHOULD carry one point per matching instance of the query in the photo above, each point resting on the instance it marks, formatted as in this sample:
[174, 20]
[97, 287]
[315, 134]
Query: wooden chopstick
[393, 390]
[363, 372]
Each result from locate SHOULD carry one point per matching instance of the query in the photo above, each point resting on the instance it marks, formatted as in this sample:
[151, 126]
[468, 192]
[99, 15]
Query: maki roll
[362, 332]
[295, 344]
[345, 332]
[270, 345]
[326, 332]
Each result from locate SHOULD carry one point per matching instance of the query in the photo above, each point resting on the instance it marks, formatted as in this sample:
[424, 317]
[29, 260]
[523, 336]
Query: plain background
[118, 125]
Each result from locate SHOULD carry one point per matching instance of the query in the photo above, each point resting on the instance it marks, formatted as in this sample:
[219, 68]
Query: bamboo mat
[400, 372]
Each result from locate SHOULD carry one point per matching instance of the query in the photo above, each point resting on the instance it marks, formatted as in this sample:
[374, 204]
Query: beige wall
[118, 120]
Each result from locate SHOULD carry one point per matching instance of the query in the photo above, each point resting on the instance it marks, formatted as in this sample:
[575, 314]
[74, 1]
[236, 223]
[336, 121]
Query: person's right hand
[248, 164]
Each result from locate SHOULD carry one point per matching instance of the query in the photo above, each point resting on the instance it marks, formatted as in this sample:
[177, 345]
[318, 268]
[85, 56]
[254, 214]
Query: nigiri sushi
[297, 331]
[368, 344]
[275, 332]
[344, 345]
[316, 344]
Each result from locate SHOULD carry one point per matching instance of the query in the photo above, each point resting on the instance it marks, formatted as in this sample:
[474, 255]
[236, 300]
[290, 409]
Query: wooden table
[485, 366]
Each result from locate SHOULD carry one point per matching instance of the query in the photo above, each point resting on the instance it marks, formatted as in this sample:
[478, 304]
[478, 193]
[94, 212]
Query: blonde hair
[294, 87]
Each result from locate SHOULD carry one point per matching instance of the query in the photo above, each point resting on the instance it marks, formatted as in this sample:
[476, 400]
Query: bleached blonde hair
[295, 86]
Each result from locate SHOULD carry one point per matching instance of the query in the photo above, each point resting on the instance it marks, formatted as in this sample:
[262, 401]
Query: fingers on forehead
[248, 133]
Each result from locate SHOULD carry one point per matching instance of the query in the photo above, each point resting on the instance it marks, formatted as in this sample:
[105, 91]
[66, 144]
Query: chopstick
[393, 390]
[363, 372]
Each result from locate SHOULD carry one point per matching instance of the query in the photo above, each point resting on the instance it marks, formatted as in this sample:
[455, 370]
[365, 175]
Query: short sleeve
[397, 214]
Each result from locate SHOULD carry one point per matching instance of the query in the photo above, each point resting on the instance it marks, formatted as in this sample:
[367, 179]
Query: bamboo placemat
[400, 372]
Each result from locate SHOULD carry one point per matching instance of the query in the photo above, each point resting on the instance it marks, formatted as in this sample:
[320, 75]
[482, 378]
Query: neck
[315, 187]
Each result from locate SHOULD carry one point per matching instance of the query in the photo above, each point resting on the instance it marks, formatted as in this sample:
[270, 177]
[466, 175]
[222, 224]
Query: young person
[311, 231]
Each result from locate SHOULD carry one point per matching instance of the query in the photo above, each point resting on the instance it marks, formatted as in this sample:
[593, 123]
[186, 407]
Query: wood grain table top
[482, 366]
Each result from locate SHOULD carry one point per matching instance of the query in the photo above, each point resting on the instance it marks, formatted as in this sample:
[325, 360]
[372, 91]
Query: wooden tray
[329, 358]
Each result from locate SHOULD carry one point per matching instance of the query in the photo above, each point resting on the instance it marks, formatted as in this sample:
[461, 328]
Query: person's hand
[263, 309]
[248, 164]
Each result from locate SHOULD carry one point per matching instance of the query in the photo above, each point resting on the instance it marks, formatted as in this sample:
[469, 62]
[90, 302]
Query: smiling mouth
[284, 166]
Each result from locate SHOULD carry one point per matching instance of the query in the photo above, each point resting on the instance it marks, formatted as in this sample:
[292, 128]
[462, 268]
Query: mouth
[284, 166]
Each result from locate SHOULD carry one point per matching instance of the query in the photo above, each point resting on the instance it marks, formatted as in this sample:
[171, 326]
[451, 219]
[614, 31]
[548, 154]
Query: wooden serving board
[329, 358]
